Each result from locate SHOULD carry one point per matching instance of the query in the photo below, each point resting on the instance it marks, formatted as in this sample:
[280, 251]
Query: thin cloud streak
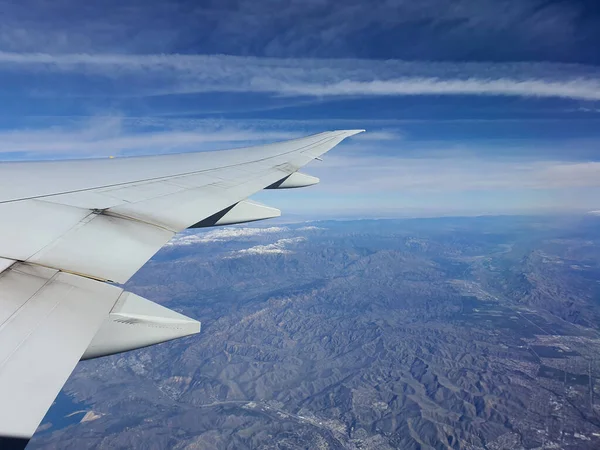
[116, 135]
[403, 175]
[579, 89]
[109, 137]
[181, 74]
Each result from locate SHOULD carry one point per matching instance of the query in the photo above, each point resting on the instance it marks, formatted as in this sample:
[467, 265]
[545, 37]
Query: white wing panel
[196, 180]
[54, 317]
[89, 200]
[179, 211]
[15, 293]
[104, 247]
[28, 226]
[5, 264]
[142, 191]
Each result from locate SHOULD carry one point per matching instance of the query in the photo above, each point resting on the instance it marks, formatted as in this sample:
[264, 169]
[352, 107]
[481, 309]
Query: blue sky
[471, 106]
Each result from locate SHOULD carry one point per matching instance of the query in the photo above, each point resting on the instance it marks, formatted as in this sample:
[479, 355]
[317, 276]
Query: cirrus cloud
[186, 74]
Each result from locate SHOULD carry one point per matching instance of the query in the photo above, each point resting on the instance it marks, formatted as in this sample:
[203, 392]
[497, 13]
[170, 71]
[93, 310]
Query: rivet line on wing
[79, 274]
[110, 213]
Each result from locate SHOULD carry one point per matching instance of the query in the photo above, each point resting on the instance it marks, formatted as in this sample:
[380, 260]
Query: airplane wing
[70, 228]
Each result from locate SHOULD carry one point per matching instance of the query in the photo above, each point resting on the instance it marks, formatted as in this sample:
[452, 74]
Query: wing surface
[67, 227]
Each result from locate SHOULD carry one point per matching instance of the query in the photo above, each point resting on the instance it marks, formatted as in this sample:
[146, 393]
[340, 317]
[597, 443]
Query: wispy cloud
[380, 136]
[105, 136]
[387, 174]
[168, 74]
[581, 88]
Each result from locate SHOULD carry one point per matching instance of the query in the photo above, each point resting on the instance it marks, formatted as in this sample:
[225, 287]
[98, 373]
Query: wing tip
[349, 133]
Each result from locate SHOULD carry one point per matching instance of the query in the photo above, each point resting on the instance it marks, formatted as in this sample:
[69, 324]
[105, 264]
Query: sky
[471, 106]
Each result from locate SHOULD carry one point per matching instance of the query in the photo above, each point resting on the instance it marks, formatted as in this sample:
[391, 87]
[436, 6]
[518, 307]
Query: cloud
[381, 135]
[185, 74]
[225, 234]
[277, 248]
[103, 136]
[581, 89]
[390, 174]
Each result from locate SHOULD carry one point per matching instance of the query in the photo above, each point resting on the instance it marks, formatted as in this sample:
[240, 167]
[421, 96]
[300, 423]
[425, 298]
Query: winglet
[353, 132]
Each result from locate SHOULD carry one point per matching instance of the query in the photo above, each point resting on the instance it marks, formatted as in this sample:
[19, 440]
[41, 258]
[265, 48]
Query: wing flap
[105, 247]
[49, 318]
[179, 211]
[30, 225]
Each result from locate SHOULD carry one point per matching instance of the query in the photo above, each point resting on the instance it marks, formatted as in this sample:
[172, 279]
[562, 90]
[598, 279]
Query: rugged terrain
[462, 333]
